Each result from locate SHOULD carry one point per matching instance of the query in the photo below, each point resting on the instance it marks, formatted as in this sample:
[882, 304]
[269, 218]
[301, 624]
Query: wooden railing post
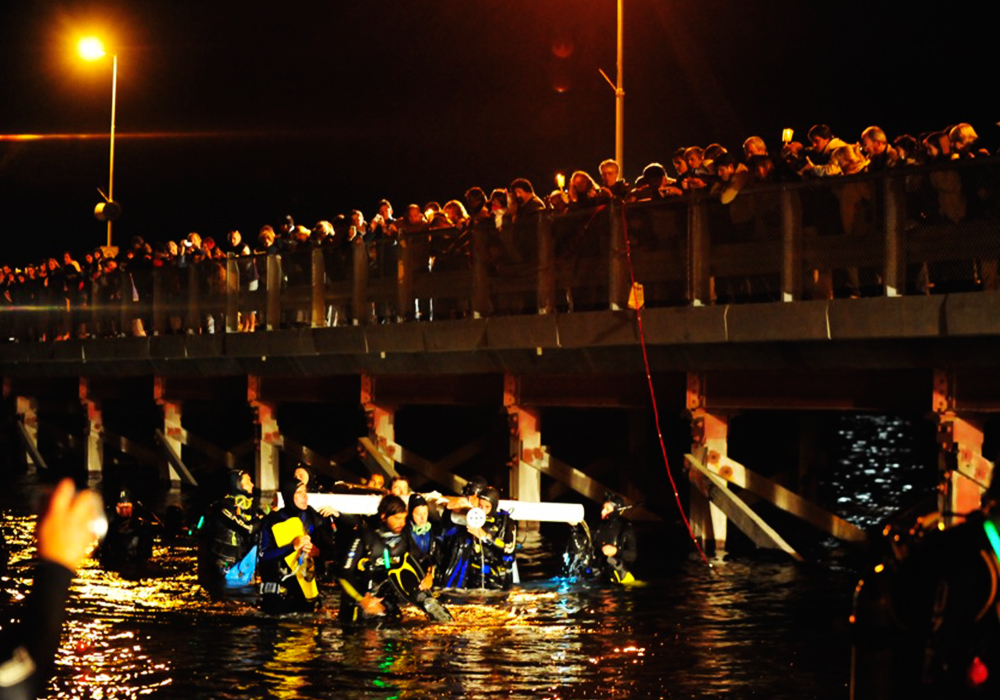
[791, 245]
[159, 304]
[546, 266]
[359, 291]
[618, 277]
[700, 274]
[318, 305]
[232, 294]
[480, 269]
[126, 303]
[404, 278]
[98, 314]
[193, 299]
[273, 312]
[895, 235]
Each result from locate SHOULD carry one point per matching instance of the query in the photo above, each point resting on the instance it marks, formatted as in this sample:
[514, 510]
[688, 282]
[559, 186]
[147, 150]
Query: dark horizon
[325, 109]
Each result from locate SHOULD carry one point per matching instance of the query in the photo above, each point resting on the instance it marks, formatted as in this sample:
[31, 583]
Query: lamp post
[92, 49]
[619, 89]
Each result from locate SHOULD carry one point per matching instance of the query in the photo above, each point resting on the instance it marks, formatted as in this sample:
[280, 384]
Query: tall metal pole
[111, 167]
[620, 96]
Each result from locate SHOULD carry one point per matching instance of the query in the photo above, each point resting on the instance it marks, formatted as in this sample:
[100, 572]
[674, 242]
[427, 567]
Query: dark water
[747, 628]
[754, 626]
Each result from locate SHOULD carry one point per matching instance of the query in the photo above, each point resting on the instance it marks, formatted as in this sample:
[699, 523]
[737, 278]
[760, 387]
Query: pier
[782, 301]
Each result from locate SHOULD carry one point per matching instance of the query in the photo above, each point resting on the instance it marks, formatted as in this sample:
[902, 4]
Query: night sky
[253, 110]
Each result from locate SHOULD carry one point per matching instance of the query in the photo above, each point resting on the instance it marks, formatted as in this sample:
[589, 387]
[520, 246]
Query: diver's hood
[235, 482]
[288, 489]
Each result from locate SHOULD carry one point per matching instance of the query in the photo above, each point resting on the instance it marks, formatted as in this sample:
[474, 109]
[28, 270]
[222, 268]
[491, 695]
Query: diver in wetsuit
[481, 557]
[129, 542]
[425, 534]
[287, 547]
[926, 619]
[381, 572]
[615, 549]
[227, 551]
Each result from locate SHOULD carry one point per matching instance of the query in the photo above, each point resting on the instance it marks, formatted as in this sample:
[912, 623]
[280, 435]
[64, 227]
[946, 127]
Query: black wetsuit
[427, 546]
[926, 620]
[366, 570]
[281, 591]
[129, 542]
[27, 650]
[618, 532]
[229, 534]
[475, 563]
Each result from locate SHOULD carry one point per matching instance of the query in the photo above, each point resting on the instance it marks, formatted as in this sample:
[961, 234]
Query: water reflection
[753, 629]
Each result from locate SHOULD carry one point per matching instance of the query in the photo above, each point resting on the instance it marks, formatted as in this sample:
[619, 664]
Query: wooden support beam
[713, 488]
[584, 485]
[965, 472]
[710, 434]
[132, 448]
[26, 408]
[384, 462]
[268, 439]
[328, 465]
[380, 444]
[735, 473]
[30, 439]
[174, 458]
[226, 458]
[172, 413]
[431, 470]
[94, 430]
[525, 443]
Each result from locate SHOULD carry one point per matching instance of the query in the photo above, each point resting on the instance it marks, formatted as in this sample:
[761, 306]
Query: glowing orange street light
[92, 49]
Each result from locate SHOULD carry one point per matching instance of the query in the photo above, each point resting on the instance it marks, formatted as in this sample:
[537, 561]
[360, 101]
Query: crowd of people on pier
[64, 291]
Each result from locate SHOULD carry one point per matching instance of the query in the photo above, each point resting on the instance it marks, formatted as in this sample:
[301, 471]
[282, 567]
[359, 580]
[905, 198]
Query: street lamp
[619, 89]
[92, 49]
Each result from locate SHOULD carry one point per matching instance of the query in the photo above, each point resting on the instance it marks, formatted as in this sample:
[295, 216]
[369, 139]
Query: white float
[367, 504]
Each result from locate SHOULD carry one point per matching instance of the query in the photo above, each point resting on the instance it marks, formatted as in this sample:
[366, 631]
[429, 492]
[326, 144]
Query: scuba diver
[287, 548]
[606, 552]
[926, 621]
[129, 542]
[480, 555]
[615, 547]
[227, 551]
[382, 571]
[424, 533]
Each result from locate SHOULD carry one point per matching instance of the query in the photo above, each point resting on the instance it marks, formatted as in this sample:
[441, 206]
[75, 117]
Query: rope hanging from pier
[652, 392]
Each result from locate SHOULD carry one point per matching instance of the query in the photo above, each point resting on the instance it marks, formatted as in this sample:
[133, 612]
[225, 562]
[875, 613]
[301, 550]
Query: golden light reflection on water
[156, 634]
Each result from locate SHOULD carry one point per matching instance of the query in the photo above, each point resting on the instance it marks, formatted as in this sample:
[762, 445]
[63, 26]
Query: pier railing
[906, 231]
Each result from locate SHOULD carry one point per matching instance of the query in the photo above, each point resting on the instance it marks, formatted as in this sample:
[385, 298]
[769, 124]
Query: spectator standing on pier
[583, 191]
[611, 179]
[819, 159]
[528, 203]
[881, 156]
[754, 146]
